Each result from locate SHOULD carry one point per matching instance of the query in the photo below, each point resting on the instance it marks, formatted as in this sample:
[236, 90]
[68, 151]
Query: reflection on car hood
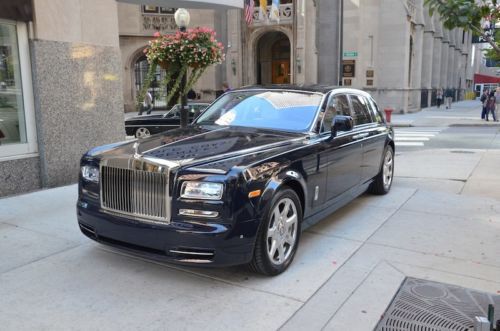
[198, 145]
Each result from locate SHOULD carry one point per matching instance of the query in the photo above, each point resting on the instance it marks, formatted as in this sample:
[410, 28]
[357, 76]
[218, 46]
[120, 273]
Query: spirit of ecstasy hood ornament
[136, 150]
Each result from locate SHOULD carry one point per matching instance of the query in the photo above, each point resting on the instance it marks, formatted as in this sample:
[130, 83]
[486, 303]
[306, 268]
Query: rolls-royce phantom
[239, 184]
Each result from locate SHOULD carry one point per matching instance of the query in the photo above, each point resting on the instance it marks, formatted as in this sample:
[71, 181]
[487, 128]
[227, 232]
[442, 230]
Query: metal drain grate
[422, 305]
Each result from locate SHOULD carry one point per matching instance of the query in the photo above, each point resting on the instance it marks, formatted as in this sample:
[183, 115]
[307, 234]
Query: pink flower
[157, 34]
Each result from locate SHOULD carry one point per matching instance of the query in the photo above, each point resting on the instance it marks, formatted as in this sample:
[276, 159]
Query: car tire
[383, 181]
[142, 133]
[279, 234]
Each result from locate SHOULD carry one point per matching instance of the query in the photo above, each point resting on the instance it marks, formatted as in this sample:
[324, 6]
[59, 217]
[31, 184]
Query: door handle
[360, 136]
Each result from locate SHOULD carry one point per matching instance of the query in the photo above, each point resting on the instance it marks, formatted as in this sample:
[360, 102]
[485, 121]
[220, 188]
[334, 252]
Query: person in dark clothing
[191, 95]
[490, 106]
[484, 99]
[439, 97]
[449, 97]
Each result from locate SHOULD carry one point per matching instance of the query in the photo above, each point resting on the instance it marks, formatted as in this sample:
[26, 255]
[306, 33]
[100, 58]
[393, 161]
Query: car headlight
[90, 173]
[201, 190]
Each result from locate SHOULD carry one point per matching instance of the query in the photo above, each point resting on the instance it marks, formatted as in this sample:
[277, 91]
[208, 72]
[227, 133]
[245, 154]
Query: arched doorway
[273, 59]
[141, 68]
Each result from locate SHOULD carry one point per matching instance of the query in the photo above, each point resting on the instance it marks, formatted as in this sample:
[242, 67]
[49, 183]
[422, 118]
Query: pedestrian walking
[490, 106]
[484, 101]
[497, 101]
[449, 97]
[147, 104]
[439, 97]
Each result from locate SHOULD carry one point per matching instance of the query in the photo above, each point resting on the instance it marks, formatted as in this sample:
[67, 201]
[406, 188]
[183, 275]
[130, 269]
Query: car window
[267, 109]
[361, 114]
[337, 105]
[376, 114]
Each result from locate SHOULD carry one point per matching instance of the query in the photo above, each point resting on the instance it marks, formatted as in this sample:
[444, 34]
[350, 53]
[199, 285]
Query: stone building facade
[390, 48]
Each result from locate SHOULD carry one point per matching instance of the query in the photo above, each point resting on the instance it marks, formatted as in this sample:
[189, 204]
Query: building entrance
[273, 59]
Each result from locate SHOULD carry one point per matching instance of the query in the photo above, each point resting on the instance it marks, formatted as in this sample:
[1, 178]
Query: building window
[17, 132]
[157, 10]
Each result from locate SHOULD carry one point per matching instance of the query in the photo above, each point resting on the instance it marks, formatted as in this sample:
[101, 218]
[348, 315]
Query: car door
[343, 151]
[370, 134]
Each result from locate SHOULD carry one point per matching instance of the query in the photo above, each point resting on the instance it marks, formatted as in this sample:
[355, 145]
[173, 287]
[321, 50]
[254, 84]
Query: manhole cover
[422, 305]
[463, 152]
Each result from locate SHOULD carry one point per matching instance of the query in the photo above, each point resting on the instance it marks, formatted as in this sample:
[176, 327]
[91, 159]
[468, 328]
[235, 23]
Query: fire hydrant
[388, 112]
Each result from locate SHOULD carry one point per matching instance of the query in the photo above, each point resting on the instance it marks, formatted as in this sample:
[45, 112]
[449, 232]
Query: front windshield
[173, 112]
[280, 110]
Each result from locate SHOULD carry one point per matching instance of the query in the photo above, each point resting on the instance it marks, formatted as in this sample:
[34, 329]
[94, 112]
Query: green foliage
[491, 53]
[467, 14]
[182, 54]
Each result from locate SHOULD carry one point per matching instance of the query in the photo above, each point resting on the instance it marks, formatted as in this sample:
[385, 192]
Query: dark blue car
[240, 183]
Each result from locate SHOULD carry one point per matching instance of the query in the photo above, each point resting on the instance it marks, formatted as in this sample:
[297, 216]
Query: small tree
[182, 54]
[468, 15]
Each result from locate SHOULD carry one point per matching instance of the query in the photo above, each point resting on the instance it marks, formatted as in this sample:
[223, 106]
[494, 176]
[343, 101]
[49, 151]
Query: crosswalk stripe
[411, 138]
[399, 143]
[415, 137]
[411, 134]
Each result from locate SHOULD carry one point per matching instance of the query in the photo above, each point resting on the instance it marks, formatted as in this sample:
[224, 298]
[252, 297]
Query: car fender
[286, 177]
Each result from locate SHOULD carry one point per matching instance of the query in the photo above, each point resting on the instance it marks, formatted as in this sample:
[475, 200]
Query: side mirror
[341, 123]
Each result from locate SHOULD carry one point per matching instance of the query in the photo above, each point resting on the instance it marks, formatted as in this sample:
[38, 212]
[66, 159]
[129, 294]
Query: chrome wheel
[142, 133]
[388, 168]
[282, 231]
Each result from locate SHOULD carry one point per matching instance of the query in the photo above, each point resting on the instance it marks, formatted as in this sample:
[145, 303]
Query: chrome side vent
[137, 193]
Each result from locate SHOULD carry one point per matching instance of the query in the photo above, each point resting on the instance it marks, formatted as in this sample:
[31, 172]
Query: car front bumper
[186, 242]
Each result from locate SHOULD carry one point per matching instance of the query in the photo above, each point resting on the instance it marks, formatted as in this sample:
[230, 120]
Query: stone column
[76, 64]
[300, 34]
[428, 57]
[327, 31]
[221, 27]
[233, 49]
[437, 54]
[416, 81]
[444, 60]
[451, 59]
[310, 60]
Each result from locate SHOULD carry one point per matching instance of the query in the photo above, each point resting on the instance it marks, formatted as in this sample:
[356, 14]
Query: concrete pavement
[441, 221]
[463, 113]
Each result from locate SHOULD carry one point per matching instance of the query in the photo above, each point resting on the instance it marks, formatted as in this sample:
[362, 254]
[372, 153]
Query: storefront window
[12, 120]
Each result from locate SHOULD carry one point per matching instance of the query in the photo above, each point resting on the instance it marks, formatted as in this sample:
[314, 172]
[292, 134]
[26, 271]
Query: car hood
[199, 145]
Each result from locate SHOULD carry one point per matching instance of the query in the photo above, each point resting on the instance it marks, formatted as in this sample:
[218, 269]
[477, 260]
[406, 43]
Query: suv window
[361, 114]
[337, 105]
[376, 114]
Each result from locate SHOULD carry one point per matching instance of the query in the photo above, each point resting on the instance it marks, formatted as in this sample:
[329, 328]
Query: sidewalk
[463, 113]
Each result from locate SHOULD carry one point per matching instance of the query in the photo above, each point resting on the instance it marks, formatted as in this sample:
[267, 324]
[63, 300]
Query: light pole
[182, 20]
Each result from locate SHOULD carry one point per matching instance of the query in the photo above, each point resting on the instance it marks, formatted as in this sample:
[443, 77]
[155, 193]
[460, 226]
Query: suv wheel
[383, 181]
[278, 235]
[142, 133]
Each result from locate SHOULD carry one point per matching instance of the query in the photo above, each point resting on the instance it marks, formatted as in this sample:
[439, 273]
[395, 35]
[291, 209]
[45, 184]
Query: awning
[485, 79]
[196, 4]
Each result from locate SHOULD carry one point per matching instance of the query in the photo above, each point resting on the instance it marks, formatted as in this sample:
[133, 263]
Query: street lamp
[182, 20]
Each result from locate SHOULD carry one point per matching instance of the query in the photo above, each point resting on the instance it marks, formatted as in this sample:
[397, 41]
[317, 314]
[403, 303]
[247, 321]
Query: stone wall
[19, 176]
[78, 104]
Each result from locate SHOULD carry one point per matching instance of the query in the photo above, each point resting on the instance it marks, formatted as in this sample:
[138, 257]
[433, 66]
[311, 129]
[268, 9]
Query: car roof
[315, 88]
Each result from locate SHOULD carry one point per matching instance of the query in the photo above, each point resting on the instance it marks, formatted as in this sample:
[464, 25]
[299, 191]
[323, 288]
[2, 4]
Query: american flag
[249, 7]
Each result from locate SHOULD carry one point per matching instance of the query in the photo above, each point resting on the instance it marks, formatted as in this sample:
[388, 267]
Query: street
[440, 221]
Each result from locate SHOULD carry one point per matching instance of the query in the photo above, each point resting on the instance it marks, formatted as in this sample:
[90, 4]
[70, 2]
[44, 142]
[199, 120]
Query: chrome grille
[137, 193]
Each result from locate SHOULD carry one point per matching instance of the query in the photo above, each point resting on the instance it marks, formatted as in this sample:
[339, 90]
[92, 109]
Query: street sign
[351, 54]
